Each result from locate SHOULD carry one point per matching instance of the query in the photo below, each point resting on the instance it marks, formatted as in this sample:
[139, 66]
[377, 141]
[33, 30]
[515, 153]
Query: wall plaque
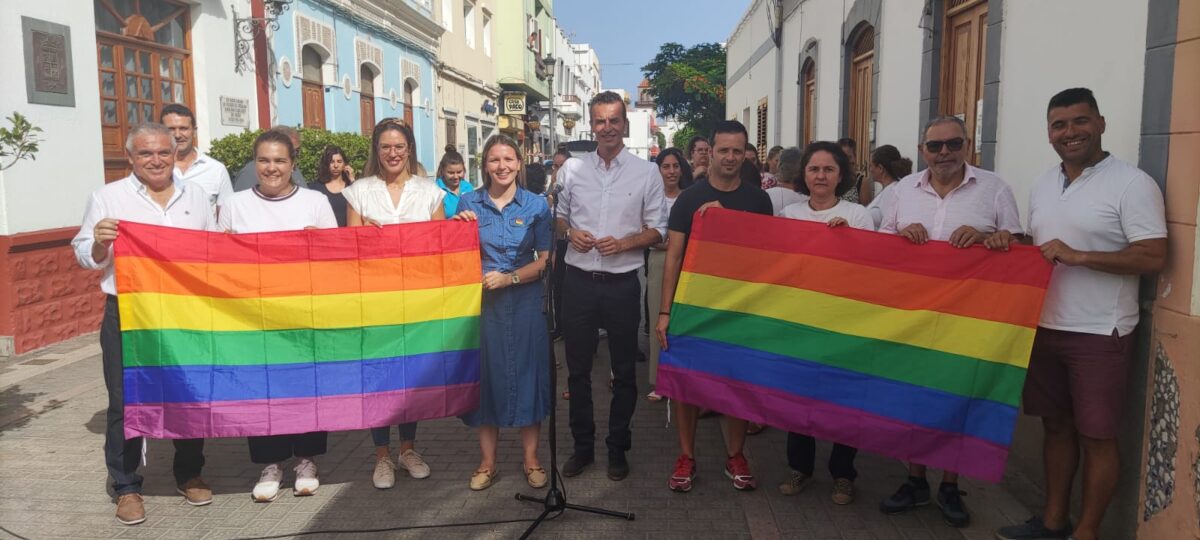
[49, 79]
[514, 103]
[235, 112]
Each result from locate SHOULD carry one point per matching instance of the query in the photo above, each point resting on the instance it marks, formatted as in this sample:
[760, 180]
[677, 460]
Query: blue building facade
[344, 68]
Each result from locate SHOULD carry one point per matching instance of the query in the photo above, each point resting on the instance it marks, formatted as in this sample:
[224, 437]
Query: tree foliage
[680, 138]
[236, 150]
[20, 142]
[689, 84]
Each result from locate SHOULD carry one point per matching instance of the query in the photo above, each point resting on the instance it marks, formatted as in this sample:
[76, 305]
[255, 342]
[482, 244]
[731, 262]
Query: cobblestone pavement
[54, 482]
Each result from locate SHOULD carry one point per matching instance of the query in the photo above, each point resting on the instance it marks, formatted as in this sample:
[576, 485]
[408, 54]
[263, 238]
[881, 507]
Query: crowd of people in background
[1099, 220]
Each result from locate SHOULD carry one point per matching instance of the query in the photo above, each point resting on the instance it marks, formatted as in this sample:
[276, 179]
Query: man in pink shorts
[1101, 222]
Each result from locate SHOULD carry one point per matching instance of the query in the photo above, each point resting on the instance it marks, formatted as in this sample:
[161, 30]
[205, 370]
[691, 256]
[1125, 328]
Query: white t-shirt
[1111, 205]
[782, 197]
[418, 202]
[854, 214]
[877, 203]
[249, 212]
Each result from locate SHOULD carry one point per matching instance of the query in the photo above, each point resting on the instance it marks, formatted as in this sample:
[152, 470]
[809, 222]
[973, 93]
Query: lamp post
[550, 62]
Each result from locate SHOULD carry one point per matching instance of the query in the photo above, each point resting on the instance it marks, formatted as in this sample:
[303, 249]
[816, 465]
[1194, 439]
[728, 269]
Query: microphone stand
[555, 501]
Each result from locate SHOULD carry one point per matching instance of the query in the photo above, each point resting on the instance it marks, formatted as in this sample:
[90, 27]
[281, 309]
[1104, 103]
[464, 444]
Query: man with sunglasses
[954, 202]
[1101, 222]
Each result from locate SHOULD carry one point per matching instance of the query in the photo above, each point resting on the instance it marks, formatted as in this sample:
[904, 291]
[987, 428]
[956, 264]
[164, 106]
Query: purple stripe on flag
[297, 415]
[950, 451]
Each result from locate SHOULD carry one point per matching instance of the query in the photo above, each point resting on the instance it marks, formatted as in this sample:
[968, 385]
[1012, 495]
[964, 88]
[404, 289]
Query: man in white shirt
[611, 209]
[191, 164]
[150, 195]
[1101, 222]
[954, 202]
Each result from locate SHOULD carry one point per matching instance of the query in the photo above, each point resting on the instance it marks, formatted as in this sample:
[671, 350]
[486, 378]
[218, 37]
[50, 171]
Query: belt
[602, 276]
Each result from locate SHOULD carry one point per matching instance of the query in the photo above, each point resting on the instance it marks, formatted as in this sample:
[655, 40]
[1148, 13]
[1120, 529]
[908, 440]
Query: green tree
[236, 150]
[689, 84]
[20, 142]
[680, 138]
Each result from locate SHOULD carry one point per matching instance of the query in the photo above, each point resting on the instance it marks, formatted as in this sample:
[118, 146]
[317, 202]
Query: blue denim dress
[514, 355]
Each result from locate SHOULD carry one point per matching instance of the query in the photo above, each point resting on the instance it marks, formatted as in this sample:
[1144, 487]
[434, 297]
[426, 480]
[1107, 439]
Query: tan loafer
[195, 492]
[482, 479]
[130, 509]
[536, 477]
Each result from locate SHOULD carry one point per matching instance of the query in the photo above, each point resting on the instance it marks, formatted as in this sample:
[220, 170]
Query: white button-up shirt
[128, 199]
[211, 175]
[1111, 205]
[618, 201]
[982, 201]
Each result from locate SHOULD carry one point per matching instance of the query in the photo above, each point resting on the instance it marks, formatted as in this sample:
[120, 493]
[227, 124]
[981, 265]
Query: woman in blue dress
[514, 237]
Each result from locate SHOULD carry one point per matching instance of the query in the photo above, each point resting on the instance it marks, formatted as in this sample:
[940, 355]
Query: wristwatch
[516, 280]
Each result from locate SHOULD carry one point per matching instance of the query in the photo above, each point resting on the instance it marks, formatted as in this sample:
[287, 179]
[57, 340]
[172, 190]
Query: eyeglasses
[953, 145]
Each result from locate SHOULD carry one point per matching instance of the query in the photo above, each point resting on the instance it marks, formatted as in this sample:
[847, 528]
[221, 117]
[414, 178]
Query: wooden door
[144, 62]
[963, 52]
[366, 112]
[314, 105]
[862, 66]
[409, 91]
[810, 101]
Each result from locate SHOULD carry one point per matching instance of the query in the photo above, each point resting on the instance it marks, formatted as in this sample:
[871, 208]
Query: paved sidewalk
[54, 482]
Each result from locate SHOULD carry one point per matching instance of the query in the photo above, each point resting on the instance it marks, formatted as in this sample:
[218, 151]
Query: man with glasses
[954, 202]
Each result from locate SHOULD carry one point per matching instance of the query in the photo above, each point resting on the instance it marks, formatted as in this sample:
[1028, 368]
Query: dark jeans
[120, 455]
[276, 448]
[802, 454]
[613, 304]
[382, 436]
[556, 282]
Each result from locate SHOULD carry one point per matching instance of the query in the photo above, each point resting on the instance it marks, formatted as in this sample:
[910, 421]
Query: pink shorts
[1083, 376]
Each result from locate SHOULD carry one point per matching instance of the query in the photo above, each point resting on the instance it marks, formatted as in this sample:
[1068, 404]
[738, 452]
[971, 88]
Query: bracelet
[664, 313]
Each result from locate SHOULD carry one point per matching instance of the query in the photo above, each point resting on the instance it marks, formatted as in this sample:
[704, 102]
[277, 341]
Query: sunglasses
[954, 145]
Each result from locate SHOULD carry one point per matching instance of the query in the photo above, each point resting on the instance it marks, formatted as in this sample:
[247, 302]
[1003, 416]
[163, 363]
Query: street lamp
[550, 62]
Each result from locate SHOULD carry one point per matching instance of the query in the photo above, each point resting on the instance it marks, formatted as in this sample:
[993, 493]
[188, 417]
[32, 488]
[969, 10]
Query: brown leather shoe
[130, 510]
[195, 492]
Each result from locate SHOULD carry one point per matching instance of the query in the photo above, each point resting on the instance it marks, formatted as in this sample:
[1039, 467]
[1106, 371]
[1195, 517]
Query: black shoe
[618, 467]
[576, 464]
[949, 500]
[910, 495]
[1034, 529]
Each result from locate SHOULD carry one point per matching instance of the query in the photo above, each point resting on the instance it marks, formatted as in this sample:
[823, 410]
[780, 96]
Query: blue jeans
[382, 435]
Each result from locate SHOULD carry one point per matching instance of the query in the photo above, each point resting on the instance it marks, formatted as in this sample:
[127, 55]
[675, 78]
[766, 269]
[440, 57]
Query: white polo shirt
[1111, 205]
[128, 199]
[211, 175]
[623, 199]
[251, 212]
[982, 201]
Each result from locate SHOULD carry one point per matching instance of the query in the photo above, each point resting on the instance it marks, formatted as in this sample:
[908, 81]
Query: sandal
[482, 479]
[654, 396]
[536, 477]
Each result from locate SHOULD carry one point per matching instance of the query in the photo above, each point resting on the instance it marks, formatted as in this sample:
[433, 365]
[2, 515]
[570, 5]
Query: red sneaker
[685, 472]
[738, 470]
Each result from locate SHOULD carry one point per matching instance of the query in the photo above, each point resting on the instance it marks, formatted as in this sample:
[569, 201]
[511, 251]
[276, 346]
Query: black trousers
[556, 282]
[120, 455]
[276, 448]
[612, 303]
[802, 455]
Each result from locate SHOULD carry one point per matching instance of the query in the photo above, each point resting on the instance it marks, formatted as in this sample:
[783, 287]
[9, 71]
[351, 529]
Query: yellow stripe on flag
[154, 311]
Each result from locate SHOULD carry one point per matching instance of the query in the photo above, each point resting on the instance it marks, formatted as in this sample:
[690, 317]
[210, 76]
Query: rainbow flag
[229, 335]
[914, 352]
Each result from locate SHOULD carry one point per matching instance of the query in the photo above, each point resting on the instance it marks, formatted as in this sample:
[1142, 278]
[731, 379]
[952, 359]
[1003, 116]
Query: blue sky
[626, 34]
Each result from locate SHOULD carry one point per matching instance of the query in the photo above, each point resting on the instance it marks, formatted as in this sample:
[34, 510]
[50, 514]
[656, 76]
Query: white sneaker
[267, 488]
[411, 461]
[306, 478]
[384, 476]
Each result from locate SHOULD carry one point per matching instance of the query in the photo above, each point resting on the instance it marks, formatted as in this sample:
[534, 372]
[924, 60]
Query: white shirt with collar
[620, 200]
[1110, 205]
[128, 199]
[419, 200]
[982, 201]
[211, 175]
